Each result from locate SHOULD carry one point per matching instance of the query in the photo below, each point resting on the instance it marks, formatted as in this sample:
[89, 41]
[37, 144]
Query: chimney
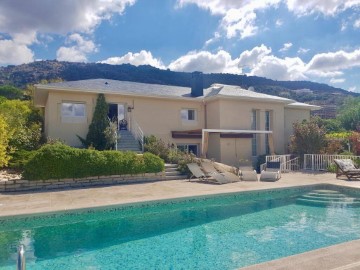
[197, 88]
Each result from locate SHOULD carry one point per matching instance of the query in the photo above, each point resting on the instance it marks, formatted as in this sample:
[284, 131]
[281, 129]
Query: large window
[188, 115]
[73, 112]
[267, 127]
[254, 127]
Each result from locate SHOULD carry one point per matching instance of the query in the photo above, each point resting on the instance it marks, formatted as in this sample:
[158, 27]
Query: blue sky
[278, 39]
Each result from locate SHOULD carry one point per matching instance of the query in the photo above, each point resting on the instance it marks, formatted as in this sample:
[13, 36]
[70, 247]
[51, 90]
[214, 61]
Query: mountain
[303, 91]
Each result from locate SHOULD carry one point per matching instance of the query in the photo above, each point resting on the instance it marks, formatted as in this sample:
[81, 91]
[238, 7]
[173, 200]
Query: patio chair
[248, 175]
[346, 167]
[272, 172]
[211, 171]
[196, 171]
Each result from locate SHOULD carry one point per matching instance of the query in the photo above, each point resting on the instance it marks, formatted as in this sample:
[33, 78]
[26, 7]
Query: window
[188, 115]
[188, 148]
[254, 127]
[267, 127]
[73, 112]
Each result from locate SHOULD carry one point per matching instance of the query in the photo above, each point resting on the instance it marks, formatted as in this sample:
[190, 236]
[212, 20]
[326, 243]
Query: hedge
[57, 161]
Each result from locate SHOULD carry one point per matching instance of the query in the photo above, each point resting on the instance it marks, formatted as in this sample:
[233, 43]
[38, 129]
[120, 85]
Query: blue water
[225, 232]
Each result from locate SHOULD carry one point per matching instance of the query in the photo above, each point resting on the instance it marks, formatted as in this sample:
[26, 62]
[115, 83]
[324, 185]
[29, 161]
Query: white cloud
[213, 39]
[302, 50]
[12, 53]
[251, 58]
[279, 23]
[352, 89]
[206, 62]
[335, 61]
[338, 80]
[276, 68]
[239, 17]
[24, 21]
[141, 58]
[357, 23]
[78, 51]
[326, 7]
[286, 47]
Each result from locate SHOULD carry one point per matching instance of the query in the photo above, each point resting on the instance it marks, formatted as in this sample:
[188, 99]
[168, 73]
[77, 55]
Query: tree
[349, 115]
[4, 143]
[23, 127]
[11, 92]
[308, 138]
[96, 135]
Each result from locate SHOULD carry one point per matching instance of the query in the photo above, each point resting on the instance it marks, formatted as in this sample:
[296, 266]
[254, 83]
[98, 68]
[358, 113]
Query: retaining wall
[38, 185]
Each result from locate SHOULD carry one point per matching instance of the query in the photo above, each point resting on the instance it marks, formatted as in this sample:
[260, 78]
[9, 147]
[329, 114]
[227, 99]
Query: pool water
[218, 232]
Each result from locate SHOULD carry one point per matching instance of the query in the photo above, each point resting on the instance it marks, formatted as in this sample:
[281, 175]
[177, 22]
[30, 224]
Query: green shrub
[19, 158]
[57, 161]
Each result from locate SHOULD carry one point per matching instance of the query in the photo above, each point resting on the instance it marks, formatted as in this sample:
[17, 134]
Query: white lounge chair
[347, 167]
[272, 172]
[196, 171]
[248, 175]
[211, 171]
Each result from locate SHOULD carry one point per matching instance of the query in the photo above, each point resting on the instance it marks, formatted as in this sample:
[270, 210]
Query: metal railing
[286, 163]
[137, 133]
[317, 162]
[20, 262]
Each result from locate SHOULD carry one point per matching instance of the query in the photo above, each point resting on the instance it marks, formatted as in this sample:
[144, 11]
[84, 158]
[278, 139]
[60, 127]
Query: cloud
[206, 62]
[357, 23]
[335, 61]
[12, 53]
[25, 21]
[78, 51]
[22, 17]
[325, 7]
[239, 17]
[251, 58]
[302, 50]
[286, 47]
[352, 89]
[338, 80]
[136, 59]
[279, 23]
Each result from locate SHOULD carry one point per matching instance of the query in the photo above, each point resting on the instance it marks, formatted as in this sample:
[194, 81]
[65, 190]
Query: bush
[19, 158]
[57, 161]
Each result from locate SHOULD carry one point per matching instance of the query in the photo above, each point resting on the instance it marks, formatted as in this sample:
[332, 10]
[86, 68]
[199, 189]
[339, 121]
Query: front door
[117, 113]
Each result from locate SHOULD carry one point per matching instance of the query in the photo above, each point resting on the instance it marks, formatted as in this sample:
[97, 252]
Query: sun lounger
[270, 176]
[211, 171]
[196, 171]
[248, 175]
[346, 167]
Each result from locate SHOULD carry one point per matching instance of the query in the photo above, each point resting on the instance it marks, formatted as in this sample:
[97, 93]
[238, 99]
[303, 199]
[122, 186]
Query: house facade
[223, 122]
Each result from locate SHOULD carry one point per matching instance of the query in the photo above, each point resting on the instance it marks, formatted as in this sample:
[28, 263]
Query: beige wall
[235, 149]
[293, 116]
[155, 116]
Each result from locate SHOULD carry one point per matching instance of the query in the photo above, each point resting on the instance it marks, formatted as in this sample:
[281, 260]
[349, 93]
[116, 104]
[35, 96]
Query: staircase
[328, 197]
[127, 142]
[172, 173]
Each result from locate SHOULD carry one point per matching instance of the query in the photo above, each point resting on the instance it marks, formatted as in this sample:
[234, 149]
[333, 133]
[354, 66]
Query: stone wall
[41, 185]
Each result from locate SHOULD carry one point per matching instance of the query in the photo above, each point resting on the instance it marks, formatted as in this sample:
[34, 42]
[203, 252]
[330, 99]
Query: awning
[187, 134]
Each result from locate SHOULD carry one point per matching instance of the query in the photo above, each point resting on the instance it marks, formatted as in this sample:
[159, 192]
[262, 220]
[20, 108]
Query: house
[223, 122]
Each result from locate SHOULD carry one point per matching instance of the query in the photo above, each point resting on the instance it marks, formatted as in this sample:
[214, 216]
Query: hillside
[51, 69]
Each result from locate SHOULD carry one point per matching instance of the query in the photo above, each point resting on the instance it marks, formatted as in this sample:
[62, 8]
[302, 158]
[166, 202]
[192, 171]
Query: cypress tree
[96, 135]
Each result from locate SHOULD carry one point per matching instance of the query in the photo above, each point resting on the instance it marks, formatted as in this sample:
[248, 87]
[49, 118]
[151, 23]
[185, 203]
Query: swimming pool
[226, 231]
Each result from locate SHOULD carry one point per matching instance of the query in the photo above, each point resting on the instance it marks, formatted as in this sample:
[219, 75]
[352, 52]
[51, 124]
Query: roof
[223, 90]
[300, 105]
[120, 87]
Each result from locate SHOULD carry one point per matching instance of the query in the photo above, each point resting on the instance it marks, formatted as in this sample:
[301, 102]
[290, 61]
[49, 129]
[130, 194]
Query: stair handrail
[138, 133]
[20, 263]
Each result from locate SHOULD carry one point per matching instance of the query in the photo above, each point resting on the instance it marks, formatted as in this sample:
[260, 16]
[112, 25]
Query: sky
[316, 40]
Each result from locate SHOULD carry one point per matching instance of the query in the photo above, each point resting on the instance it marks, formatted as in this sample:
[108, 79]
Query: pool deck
[343, 256]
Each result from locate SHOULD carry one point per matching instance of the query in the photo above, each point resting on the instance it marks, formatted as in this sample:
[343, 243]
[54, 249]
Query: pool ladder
[20, 263]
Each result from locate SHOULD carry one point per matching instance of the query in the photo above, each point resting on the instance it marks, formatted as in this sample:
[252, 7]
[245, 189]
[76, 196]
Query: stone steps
[171, 172]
